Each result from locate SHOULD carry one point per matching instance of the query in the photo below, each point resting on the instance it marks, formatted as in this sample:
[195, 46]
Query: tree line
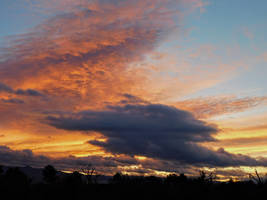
[85, 185]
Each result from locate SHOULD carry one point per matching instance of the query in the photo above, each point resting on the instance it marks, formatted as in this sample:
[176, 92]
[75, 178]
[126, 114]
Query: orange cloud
[83, 54]
[78, 58]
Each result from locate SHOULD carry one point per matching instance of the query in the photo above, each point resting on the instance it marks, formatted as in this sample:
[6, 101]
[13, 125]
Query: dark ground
[15, 184]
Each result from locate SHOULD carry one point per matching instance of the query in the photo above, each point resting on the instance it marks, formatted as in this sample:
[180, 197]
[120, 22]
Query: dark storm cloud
[149, 121]
[152, 130]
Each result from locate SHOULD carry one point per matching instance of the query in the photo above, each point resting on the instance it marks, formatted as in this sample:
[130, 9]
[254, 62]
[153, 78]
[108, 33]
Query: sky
[138, 86]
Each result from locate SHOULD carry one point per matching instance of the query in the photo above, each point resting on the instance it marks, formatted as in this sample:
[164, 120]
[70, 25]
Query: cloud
[79, 56]
[108, 165]
[83, 51]
[18, 158]
[154, 130]
[5, 88]
[82, 54]
[206, 107]
[12, 101]
[86, 47]
[154, 118]
[131, 99]
[27, 92]
[25, 157]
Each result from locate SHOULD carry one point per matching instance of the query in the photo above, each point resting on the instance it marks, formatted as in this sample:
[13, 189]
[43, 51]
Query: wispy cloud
[207, 107]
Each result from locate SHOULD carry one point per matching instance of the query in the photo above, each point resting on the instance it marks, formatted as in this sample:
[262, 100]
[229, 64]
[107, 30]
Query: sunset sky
[138, 86]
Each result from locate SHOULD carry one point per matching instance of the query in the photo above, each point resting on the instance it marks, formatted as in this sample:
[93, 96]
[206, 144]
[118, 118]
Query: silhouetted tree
[207, 177]
[256, 178]
[49, 174]
[90, 174]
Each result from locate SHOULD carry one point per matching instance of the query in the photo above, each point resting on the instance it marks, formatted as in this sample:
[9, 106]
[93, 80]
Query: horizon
[143, 87]
[38, 177]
